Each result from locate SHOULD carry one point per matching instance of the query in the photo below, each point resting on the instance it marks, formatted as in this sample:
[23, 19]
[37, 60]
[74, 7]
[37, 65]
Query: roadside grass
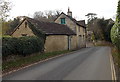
[116, 56]
[23, 61]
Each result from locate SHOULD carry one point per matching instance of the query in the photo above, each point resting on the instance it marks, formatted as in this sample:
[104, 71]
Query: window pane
[62, 20]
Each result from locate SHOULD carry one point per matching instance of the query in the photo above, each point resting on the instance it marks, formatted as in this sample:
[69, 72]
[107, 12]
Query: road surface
[85, 64]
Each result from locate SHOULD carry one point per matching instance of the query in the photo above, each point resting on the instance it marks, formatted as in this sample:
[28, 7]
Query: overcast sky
[79, 8]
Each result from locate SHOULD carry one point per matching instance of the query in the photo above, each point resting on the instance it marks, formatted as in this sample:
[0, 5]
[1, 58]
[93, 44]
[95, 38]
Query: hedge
[21, 46]
[115, 31]
[115, 35]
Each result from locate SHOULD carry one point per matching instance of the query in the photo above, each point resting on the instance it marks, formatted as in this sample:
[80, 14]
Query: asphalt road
[85, 64]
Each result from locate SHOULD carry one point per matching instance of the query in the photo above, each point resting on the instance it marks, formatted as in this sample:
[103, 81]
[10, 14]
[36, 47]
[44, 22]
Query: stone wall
[59, 43]
[52, 42]
[73, 42]
[69, 23]
[56, 43]
[23, 30]
[79, 30]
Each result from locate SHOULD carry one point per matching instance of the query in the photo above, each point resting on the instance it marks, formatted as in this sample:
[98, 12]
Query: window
[62, 20]
[25, 24]
[24, 34]
[80, 35]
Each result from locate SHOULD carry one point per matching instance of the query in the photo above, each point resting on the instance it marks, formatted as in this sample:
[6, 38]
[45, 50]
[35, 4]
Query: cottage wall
[79, 30]
[73, 42]
[59, 43]
[22, 30]
[81, 41]
[69, 22]
[56, 43]
[52, 42]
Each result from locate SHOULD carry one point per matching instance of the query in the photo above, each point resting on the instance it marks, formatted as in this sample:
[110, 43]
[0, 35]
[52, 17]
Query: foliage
[21, 46]
[101, 28]
[5, 26]
[105, 27]
[23, 61]
[37, 32]
[5, 7]
[116, 56]
[14, 23]
[115, 35]
[91, 16]
[9, 26]
[115, 32]
[47, 16]
[9, 46]
[93, 37]
[6, 36]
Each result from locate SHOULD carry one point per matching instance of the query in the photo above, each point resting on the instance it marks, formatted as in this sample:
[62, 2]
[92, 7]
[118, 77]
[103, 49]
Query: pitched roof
[50, 28]
[74, 20]
[82, 22]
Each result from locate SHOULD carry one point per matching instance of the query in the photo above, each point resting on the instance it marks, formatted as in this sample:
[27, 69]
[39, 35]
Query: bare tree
[5, 7]
[40, 16]
[47, 16]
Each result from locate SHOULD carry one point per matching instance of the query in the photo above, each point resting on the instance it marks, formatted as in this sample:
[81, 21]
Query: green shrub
[9, 46]
[115, 35]
[115, 31]
[29, 45]
[21, 46]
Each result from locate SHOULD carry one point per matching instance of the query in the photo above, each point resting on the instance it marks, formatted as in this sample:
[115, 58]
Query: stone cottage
[58, 37]
[77, 26]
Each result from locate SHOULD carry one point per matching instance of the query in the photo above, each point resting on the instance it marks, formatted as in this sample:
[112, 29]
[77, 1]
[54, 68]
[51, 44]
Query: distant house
[78, 27]
[58, 37]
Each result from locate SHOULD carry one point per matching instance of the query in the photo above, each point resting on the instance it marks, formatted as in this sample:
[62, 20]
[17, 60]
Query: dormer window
[63, 21]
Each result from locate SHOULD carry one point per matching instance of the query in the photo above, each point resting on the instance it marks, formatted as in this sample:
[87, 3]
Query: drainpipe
[69, 42]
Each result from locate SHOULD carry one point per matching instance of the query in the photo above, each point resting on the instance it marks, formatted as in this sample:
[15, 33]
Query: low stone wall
[56, 43]
[59, 43]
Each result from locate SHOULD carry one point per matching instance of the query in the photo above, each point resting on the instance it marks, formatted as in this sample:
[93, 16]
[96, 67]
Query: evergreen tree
[115, 32]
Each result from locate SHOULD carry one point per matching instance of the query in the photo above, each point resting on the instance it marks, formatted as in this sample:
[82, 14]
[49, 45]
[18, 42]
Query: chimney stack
[69, 13]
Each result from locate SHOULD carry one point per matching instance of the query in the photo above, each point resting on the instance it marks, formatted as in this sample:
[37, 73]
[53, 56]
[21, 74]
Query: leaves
[115, 32]
[21, 46]
[101, 28]
[5, 7]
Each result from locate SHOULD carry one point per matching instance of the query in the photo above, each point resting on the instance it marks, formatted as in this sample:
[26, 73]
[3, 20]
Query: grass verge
[116, 58]
[116, 55]
[23, 61]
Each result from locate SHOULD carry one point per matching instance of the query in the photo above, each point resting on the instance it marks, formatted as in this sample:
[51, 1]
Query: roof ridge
[51, 27]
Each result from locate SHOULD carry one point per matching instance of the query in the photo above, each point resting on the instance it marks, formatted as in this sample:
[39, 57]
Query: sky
[79, 8]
